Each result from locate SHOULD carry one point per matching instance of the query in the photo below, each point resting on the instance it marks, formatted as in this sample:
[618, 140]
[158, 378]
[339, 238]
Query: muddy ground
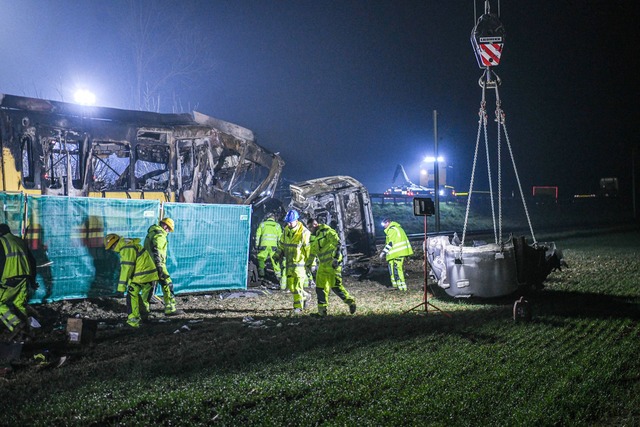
[373, 292]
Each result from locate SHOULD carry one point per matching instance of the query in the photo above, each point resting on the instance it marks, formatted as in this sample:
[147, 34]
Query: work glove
[382, 255]
[335, 263]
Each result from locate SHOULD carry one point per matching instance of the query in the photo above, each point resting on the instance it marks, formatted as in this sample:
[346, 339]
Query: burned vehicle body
[57, 148]
[343, 203]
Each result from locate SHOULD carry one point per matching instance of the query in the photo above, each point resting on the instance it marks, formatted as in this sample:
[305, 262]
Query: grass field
[576, 363]
[585, 213]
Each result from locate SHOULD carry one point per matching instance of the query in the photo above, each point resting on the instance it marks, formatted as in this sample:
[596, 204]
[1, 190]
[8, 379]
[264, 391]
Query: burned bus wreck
[343, 203]
[57, 148]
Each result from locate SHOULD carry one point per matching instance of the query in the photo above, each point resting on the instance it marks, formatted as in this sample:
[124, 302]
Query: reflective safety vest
[397, 244]
[136, 264]
[156, 244]
[16, 262]
[268, 234]
[294, 244]
[325, 245]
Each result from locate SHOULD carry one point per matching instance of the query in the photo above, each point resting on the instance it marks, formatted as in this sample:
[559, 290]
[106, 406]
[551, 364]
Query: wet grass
[575, 363]
[544, 216]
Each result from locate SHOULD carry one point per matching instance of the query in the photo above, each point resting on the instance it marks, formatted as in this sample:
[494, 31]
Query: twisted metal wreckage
[343, 203]
[57, 148]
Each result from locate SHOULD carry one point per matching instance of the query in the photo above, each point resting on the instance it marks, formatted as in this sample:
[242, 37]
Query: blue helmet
[291, 216]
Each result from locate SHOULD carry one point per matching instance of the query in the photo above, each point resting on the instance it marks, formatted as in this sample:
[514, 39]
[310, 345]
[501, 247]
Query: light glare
[432, 159]
[84, 97]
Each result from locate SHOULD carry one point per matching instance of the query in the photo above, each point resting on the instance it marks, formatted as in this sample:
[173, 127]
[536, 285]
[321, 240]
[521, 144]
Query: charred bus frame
[57, 148]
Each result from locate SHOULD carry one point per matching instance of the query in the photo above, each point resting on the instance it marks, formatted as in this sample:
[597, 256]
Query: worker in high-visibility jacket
[293, 248]
[18, 272]
[397, 248]
[137, 275]
[326, 247]
[266, 246]
[156, 244]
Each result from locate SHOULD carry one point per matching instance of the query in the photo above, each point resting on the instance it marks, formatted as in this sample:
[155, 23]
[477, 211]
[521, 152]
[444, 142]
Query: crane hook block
[487, 38]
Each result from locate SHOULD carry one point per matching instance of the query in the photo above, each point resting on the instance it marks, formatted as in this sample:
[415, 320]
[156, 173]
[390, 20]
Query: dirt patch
[372, 291]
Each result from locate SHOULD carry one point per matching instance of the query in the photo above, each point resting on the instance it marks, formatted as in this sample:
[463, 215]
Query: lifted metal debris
[491, 270]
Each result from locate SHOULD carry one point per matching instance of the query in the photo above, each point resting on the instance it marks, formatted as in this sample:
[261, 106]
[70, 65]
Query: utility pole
[633, 181]
[436, 171]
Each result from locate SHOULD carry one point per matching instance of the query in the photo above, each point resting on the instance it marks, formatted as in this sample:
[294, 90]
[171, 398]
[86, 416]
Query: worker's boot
[133, 322]
[170, 307]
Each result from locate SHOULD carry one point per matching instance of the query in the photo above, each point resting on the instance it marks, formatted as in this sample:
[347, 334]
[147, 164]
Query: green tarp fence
[208, 251]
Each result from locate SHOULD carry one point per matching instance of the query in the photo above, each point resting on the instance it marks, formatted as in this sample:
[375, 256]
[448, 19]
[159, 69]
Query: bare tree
[167, 50]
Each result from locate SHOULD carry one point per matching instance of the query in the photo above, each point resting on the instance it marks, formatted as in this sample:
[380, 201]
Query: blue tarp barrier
[208, 251]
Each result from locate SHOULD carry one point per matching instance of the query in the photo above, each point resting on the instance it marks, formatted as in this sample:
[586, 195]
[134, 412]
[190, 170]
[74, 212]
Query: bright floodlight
[432, 159]
[84, 97]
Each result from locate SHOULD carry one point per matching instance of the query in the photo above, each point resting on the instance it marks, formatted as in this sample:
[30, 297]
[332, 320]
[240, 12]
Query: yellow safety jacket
[136, 265]
[156, 244]
[268, 234]
[294, 245]
[16, 262]
[396, 243]
[325, 245]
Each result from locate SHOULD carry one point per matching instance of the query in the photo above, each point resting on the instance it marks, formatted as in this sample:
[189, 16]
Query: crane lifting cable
[507, 265]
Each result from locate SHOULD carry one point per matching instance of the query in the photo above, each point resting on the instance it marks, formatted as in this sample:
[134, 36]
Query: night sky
[349, 87]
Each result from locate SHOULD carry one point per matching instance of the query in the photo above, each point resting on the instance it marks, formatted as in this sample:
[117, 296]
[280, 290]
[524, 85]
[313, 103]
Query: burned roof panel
[205, 160]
